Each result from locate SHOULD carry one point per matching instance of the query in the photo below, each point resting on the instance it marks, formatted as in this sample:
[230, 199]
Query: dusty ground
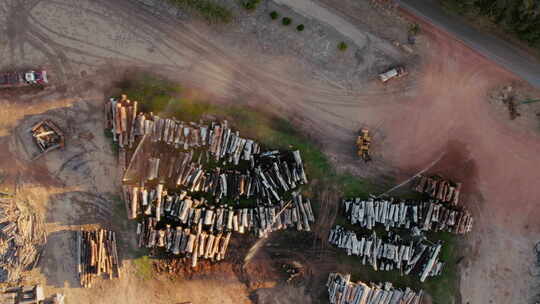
[441, 107]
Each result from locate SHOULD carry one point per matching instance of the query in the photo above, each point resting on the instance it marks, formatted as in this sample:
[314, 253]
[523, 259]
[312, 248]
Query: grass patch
[208, 9]
[342, 46]
[143, 267]
[250, 5]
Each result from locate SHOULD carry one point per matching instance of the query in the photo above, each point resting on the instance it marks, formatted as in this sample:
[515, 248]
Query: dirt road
[440, 107]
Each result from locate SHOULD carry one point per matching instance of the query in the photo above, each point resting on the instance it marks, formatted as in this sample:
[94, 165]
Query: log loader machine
[363, 143]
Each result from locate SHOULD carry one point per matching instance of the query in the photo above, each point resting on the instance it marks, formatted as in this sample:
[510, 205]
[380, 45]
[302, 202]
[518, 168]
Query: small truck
[23, 78]
[396, 72]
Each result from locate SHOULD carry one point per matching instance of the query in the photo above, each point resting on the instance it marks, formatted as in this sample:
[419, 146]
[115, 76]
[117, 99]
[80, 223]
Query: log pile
[97, 255]
[392, 213]
[438, 188]
[268, 178]
[192, 185]
[47, 137]
[22, 237]
[393, 253]
[189, 227]
[342, 291]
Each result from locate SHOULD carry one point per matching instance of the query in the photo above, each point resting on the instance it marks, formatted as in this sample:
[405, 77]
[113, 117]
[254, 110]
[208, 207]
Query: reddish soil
[450, 114]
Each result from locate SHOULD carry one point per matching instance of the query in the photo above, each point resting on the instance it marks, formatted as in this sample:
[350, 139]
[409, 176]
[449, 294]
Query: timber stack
[342, 291]
[438, 188]
[393, 253]
[193, 185]
[393, 213]
[97, 255]
[22, 238]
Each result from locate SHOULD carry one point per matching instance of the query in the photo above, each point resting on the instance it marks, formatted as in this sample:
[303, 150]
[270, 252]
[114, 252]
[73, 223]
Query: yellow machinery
[362, 143]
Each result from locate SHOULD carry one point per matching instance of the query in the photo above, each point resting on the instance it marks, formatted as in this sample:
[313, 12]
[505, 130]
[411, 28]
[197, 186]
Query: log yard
[269, 152]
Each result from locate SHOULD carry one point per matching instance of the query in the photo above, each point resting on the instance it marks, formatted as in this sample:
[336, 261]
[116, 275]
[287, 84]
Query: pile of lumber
[342, 291]
[22, 237]
[23, 295]
[97, 255]
[438, 188]
[47, 136]
[393, 253]
[429, 215]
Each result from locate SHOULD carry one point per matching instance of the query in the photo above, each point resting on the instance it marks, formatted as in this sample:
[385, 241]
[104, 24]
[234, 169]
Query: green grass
[143, 267]
[342, 46]
[208, 9]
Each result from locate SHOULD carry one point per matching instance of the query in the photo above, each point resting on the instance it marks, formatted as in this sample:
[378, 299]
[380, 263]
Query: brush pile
[97, 255]
[22, 237]
[392, 253]
[395, 213]
[342, 291]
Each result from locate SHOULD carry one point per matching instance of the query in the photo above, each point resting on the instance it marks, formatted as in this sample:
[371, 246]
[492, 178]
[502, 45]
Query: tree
[300, 27]
[274, 15]
[286, 20]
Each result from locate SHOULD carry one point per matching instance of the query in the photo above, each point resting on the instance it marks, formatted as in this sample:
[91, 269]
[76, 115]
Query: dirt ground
[440, 108]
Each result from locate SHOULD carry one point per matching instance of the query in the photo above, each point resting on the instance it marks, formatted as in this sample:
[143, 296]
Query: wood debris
[431, 215]
[47, 137]
[342, 291]
[97, 255]
[438, 188]
[392, 253]
[22, 237]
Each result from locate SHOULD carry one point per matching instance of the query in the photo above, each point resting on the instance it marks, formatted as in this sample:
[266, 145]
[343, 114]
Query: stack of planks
[415, 256]
[395, 213]
[97, 255]
[342, 291]
[438, 188]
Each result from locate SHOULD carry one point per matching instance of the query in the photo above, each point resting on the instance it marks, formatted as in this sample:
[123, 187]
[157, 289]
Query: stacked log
[429, 215]
[390, 254]
[188, 182]
[97, 255]
[342, 291]
[438, 188]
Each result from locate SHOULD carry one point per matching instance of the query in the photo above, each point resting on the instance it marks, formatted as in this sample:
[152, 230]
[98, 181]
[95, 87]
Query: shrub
[286, 21]
[251, 4]
[342, 46]
[300, 27]
[274, 15]
[414, 29]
